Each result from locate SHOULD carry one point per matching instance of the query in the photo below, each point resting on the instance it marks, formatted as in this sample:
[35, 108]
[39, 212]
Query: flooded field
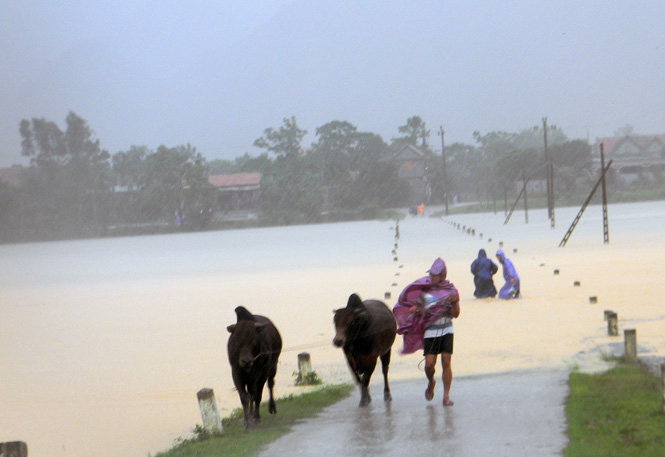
[104, 343]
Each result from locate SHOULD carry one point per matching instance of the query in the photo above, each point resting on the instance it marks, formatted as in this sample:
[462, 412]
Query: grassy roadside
[236, 441]
[615, 413]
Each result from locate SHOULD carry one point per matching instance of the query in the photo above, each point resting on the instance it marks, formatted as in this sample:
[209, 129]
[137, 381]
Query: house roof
[237, 181]
[408, 152]
[610, 144]
[11, 175]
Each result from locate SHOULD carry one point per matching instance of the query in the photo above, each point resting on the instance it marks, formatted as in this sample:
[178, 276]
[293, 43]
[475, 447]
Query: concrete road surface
[508, 414]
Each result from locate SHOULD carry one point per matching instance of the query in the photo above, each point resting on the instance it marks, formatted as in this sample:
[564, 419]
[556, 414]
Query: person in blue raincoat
[483, 269]
[511, 289]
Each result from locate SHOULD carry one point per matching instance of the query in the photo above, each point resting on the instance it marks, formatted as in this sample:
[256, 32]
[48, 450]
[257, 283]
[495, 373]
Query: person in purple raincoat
[424, 313]
[511, 288]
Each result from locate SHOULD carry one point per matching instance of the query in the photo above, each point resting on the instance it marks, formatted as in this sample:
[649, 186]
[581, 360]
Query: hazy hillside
[478, 66]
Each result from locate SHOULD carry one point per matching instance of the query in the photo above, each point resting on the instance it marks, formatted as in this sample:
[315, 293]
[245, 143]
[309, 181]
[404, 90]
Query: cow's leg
[245, 399]
[352, 365]
[385, 363]
[246, 406]
[365, 398]
[258, 394]
[272, 408]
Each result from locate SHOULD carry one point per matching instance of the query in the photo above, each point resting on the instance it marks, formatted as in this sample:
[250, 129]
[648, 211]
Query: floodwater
[104, 343]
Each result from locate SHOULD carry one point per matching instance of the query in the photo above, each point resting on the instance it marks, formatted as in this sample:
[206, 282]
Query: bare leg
[430, 362]
[447, 377]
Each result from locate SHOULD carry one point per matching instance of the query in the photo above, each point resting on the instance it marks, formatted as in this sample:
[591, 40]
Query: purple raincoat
[412, 326]
[509, 290]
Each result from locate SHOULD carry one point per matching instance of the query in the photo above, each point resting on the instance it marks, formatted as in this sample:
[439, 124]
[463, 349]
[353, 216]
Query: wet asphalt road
[509, 414]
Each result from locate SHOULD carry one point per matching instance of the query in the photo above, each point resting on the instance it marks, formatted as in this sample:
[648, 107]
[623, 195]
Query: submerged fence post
[612, 324]
[630, 344]
[212, 423]
[13, 449]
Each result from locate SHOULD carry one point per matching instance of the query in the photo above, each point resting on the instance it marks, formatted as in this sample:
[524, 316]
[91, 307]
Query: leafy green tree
[291, 187]
[572, 161]
[291, 193]
[175, 187]
[575, 154]
[247, 164]
[10, 209]
[349, 161]
[463, 167]
[414, 130]
[283, 142]
[377, 186]
[69, 180]
[535, 139]
[335, 148]
[128, 166]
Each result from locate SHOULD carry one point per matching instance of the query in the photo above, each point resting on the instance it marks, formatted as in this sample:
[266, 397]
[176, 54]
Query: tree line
[73, 188]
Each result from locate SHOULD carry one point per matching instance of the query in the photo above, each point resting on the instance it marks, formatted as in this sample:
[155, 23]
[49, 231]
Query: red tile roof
[236, 180]
[642, 141]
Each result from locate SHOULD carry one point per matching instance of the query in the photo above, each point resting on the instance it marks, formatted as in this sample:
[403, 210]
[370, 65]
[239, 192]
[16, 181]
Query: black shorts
[438, 345]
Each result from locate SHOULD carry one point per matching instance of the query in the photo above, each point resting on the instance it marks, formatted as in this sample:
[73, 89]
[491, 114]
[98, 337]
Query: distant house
[237, 192]
[410, 164]
[635, 157]
[11, 175]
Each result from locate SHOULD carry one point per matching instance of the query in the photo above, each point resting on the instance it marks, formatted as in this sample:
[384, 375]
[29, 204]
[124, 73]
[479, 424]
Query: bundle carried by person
[431, 302]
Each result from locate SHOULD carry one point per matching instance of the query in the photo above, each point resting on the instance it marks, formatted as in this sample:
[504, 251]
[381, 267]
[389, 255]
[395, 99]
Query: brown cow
[254, 347]
[366, 331]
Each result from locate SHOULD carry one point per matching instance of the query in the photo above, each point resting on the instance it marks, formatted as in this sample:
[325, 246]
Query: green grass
[615, 413]
[235, 441]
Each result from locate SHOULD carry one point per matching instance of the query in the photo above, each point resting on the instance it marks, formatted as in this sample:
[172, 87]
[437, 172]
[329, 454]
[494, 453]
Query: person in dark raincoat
[511, 289]
[483, 269]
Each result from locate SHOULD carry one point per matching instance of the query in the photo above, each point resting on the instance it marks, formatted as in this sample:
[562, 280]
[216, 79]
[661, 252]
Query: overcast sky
[217, 73]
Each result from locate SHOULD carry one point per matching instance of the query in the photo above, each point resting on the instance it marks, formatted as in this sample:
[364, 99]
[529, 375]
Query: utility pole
[606, 230]
[526, 206]
[549, 178]
[443, 156]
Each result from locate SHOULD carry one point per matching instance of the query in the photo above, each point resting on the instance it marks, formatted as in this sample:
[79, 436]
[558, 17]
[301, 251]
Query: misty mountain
[478, 66]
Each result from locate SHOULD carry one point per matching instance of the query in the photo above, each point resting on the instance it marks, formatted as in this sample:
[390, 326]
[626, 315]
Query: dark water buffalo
[254, 347]
[366, 331]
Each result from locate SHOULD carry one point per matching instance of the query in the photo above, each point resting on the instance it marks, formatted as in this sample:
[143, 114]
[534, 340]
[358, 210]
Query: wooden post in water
[212, 423]
[630, 344]
[612, 324]
[13, 449]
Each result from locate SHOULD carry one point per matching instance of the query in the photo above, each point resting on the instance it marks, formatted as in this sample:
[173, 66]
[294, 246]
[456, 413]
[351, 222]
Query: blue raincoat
[483, 269]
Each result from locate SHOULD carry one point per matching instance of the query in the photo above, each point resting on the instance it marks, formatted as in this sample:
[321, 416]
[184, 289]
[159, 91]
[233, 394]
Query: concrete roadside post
[304, 365]
[13, 449]
[662, 383]
[612, 325]
[212, 423]
[630, 344]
